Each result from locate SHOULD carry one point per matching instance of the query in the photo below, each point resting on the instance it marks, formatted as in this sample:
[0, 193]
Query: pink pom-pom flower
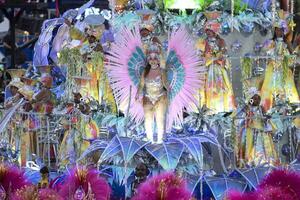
[165, 186]
[85, 183]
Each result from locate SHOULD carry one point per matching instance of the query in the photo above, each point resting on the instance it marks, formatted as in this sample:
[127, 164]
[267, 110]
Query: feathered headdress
[153, 51]
[282, 21]
[16, 74]
[212, 21]
[146, 19]
[251, 92]
[166, 186]
[213, 25]
[27, 90]
[31, 193]
[83, 183]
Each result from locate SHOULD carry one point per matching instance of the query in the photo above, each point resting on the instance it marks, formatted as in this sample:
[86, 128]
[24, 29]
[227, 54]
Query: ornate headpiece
[212, 21]
[281, 21]
[154, 51]
[27, 89]
[16, 83]
[146, 19]
[16, 74]
[46, 80]
[212, 15]
[27, 92]
[251, 92]
[80, 84]
[213, 25]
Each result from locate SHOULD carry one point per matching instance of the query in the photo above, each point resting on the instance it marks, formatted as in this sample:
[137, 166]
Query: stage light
[182, 4]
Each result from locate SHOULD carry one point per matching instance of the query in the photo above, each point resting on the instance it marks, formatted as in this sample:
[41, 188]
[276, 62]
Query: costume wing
[184, 73]
[125, 65]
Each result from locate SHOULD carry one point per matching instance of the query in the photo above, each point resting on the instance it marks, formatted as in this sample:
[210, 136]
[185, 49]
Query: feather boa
[92, 185]
[279, 184]
[166, 186]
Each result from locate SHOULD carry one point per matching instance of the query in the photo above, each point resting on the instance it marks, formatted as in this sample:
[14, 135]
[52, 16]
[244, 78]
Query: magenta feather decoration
[88, 181]
[236, 195]
[12, 178]
[273, 192]
[126, 62]
[279, 184]
[287, 181]
[31, 192]
[49, 194]
[28, 192]
[166, 186]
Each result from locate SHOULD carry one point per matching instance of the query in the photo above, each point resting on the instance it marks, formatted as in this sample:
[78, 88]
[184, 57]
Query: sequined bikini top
[154, 89]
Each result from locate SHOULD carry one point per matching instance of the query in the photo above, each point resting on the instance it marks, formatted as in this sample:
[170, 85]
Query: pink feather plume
[117, 67]
[89, 180]
[279, 184]
[236, 195]
[182, 43]
[31, 192]
[287, 181]
[166, 186]
[49, 194]
[12, 178]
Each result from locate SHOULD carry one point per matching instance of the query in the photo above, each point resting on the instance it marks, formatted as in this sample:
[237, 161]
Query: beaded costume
[279, 81]
[165, 96]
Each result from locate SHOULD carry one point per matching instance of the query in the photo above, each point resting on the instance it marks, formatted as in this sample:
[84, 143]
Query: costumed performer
[14, 85]
[218, 93]
[92, 55]
[79, 129]
[149, 89]
[11, 89]
[14, 128]
[279, 79]
[43, 102]
[255, 142]
[152, 91]
[27, 137]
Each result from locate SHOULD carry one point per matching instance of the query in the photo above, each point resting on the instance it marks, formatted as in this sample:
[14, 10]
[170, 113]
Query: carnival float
[153, 100]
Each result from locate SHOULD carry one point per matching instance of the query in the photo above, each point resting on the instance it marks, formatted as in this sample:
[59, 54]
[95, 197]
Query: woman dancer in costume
[256, 145]
[218, 95]
[279, 81]
[152, 91]
[161, 93]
